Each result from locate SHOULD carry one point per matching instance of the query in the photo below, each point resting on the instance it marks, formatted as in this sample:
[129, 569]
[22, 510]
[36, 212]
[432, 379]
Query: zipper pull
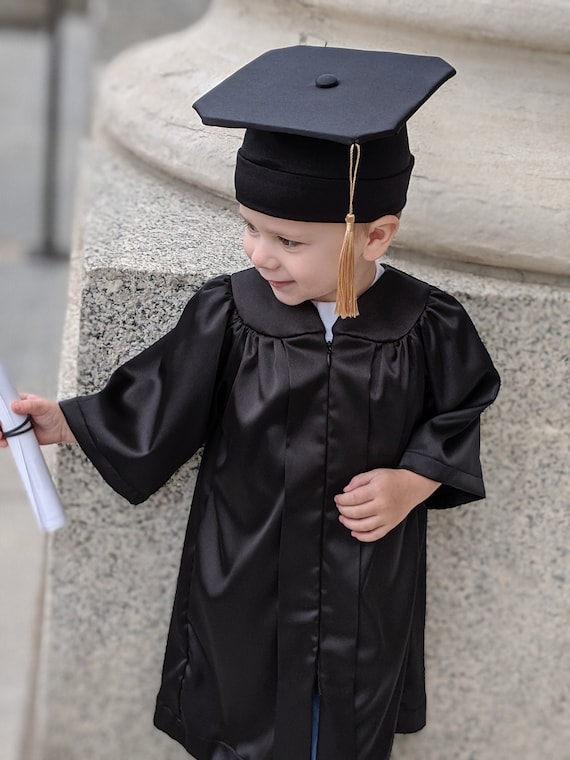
[329, 351]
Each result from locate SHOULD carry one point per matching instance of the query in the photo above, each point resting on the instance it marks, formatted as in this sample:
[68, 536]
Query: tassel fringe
[346, 305]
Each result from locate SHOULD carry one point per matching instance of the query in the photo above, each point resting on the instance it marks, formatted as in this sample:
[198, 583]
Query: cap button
[326, 80]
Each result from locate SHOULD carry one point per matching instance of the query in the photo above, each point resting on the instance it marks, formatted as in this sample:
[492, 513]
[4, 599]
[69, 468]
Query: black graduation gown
[273, 591]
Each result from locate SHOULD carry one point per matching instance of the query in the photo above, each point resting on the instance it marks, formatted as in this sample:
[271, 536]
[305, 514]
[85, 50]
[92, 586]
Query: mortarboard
[325, 134]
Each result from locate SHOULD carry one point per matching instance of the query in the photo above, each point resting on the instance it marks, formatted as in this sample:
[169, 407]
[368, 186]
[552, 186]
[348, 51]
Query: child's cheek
[247, 247]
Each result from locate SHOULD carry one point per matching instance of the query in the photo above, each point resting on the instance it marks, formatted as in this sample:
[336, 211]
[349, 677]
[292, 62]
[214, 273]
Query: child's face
[299, 260]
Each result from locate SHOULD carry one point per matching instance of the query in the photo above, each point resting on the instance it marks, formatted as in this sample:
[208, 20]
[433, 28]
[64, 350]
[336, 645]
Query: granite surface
[497, 627]
[143, 246]
[498, 610]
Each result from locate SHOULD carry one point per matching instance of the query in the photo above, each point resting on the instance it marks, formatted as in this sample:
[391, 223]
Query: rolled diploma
[30, 462]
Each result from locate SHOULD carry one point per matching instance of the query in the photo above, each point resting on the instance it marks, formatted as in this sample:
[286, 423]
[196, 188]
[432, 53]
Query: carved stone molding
[492, 172]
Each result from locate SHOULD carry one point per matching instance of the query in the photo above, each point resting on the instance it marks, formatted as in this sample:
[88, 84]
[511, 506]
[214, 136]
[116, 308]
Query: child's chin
[286, 298]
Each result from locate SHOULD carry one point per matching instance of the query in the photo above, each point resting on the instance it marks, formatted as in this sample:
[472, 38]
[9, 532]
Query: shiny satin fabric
[273, 591]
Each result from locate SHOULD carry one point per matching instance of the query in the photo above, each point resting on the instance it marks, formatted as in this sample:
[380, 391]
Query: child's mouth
[280, 284]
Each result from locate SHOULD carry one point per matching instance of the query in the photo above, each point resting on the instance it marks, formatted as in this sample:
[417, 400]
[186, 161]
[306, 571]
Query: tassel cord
[346, 305]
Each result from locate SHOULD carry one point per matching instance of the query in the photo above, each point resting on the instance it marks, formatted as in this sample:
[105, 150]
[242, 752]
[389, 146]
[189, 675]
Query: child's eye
[249, 227]
[288, 243]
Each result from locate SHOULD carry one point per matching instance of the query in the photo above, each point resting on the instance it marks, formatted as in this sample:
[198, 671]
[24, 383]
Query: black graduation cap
[325, 129]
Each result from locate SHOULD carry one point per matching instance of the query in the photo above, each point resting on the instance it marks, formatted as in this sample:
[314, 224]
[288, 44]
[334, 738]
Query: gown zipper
[317, 664]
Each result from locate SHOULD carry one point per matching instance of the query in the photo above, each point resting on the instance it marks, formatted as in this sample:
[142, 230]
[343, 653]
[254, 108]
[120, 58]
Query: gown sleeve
[461, 382]
[155, 411]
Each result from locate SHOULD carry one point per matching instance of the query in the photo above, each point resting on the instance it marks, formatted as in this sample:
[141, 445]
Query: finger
[30, 404]
[361, 495]
[362, 526]
[361, 479]
[359, 511]
[20, 407]
[3, 441]
[373, 535]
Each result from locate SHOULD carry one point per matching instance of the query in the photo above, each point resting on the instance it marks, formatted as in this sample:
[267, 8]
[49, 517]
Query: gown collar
[388, 310]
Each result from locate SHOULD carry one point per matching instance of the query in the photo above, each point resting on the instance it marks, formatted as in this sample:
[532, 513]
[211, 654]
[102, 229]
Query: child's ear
[380, 235]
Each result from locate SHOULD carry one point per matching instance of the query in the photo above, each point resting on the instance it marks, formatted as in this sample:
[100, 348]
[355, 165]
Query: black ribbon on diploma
[23, 427]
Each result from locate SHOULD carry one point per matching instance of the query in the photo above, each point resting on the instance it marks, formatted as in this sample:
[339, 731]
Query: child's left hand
[374, 502]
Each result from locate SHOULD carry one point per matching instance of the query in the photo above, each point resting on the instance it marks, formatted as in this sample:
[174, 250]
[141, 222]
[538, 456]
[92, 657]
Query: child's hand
[375, 502]
[50, 425]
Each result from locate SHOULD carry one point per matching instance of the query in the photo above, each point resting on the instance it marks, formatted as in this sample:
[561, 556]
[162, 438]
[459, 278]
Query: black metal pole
[48, 246]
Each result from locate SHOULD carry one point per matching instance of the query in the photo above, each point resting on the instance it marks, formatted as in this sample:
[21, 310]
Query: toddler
[337, 400]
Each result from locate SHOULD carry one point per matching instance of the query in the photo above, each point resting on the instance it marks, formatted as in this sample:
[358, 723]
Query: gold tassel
[346, 305]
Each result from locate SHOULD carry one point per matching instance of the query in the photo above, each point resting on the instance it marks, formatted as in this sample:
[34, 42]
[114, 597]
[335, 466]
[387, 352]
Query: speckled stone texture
[498, 612]
[144, 246]
[497, 627]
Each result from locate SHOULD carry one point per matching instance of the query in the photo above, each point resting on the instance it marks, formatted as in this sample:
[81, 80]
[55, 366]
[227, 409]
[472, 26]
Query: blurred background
[50, 54]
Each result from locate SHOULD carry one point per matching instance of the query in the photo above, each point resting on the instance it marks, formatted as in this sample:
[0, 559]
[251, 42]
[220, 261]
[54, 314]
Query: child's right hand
[50, 425]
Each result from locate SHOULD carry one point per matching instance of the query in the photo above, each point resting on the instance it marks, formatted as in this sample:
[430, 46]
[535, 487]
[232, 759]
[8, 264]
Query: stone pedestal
[486, 220]
[491, 177]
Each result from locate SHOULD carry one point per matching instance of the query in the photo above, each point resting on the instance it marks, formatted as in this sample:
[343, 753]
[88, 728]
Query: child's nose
[262, 256]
